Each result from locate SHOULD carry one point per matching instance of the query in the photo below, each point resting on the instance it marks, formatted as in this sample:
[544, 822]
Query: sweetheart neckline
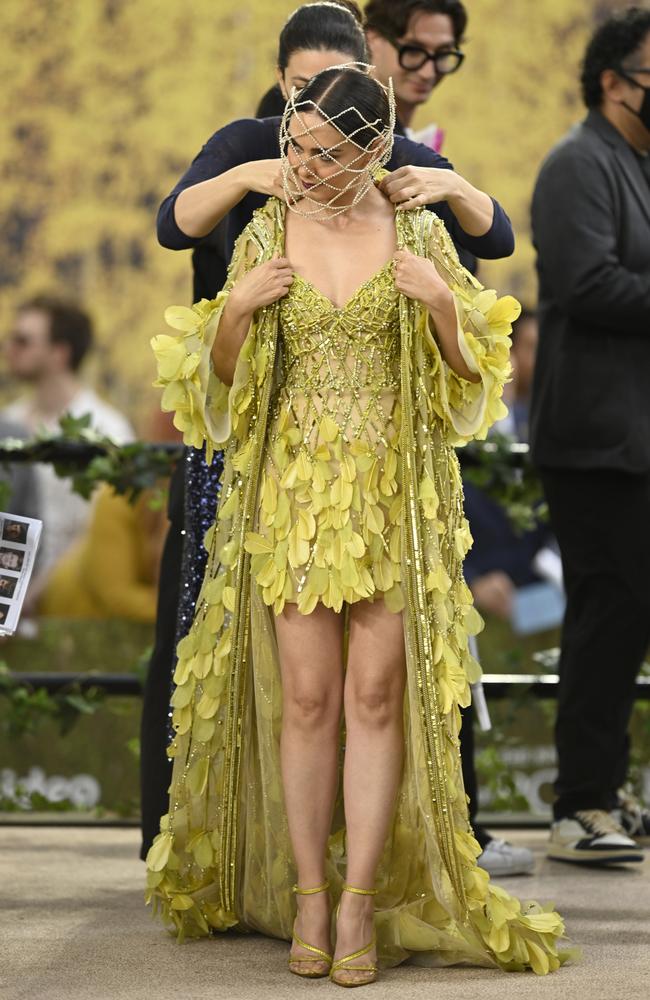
[355, 293]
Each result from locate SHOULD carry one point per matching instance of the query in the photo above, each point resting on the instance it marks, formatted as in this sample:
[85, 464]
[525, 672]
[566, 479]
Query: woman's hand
[263, 177]
[263, 285]
[412, 187]
[417, 278]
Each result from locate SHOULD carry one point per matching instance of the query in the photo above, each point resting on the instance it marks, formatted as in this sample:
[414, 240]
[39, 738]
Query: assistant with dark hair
[390, 18]
[309, 29]
[69, 325]
[318, 27]
[616, 39]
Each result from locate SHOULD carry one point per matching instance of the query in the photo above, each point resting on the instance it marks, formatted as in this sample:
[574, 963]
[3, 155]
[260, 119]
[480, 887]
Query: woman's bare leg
[374, 705]
[310, 648]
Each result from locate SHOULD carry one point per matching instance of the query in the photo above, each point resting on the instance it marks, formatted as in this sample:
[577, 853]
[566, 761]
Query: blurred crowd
[97, 558]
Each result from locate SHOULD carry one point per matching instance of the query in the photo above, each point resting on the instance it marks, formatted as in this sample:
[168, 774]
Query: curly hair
[390, 18]
[612, 42]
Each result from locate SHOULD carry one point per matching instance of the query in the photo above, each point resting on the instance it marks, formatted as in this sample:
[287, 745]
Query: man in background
[590, 432]
[416, 44]
[45, 350]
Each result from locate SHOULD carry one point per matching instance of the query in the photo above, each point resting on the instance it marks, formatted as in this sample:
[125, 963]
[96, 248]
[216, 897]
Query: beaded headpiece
[362, 168]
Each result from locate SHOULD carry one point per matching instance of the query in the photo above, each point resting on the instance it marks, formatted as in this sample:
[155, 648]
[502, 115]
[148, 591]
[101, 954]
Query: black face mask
[643, 114]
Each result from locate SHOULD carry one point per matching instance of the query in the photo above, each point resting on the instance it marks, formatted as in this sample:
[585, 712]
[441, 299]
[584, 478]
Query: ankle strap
[310, 892]
[360, 892]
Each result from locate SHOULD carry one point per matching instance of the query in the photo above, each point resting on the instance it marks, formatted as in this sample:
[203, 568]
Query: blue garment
[257, 139]
[497, 546]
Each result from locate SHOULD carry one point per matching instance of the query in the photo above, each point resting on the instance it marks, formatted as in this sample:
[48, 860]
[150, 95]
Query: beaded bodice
[329, 494]
[346, 349]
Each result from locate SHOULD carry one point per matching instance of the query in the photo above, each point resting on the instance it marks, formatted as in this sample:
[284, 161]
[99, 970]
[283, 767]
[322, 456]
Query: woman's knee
[309, 706]
[374, 701]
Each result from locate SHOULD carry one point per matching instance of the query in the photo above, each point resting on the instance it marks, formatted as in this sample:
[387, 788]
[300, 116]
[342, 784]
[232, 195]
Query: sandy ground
[73, 925]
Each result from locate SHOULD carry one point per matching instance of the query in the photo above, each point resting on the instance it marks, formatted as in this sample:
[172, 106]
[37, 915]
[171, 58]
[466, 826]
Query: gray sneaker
[500, 858]
[593, 837]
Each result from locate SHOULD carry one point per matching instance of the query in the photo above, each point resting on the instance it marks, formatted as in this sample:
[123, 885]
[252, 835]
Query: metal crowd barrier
[497, 686]
[80, 453]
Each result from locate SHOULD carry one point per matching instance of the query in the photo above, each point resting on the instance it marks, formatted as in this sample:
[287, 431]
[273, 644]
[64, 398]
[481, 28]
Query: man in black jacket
[590, 431]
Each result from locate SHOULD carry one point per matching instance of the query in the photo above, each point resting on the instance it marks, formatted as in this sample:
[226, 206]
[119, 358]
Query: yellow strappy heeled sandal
[341, 964]
[318, 955]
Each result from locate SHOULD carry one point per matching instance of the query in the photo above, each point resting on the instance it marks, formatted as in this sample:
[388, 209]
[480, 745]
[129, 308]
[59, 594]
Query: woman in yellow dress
[316, 712]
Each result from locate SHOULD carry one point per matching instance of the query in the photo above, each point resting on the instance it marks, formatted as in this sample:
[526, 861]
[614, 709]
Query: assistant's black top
[258, 139]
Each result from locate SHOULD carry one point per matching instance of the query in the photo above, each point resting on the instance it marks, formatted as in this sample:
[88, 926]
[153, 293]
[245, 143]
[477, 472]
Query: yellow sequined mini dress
[330, 497]
[340, 483]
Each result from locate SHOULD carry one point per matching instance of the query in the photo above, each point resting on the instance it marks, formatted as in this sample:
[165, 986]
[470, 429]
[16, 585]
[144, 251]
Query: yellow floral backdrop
[104, 103]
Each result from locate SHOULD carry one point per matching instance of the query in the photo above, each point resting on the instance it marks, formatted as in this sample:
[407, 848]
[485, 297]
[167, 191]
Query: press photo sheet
[19, 538]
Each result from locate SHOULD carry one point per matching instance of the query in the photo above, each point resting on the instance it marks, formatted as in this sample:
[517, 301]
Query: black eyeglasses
[412, 57]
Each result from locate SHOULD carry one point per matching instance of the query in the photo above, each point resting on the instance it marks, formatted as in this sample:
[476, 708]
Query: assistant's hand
[263, 285]
[263, 177]
[417, 278]
[412, 187]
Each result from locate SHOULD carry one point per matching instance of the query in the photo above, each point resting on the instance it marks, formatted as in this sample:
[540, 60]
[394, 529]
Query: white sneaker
[500, 858]
[633, 817]
[592, 836]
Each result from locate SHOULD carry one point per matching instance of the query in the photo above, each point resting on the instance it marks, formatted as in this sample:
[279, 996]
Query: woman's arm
[418, 278]
[240, 142]
[198, 209]
[482, 229]
[261, 286]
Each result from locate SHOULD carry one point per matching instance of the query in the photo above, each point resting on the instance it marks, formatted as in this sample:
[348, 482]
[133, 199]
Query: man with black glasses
[416, 43]
[590, 432]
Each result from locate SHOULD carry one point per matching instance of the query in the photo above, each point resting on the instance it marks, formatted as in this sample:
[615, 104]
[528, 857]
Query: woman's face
[306, 63]
[324, 163]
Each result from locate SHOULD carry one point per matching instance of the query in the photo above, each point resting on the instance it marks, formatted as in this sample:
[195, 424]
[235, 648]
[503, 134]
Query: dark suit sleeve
[575, 233]
[239, 142]
[499, 241]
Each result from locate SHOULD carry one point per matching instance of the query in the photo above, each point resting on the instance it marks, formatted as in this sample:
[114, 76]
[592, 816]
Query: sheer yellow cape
[223, 857]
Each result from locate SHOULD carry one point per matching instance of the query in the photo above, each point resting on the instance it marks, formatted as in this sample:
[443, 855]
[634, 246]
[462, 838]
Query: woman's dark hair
[617, 38]
[353, 96]
[390, 18]
[334, 25]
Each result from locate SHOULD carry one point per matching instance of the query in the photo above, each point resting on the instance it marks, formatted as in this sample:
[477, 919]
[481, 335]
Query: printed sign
[19, 538]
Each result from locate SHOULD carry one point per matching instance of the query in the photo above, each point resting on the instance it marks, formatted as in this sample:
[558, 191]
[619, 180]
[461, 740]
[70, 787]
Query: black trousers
[469, 772]
[602, 523]
[155, 768]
